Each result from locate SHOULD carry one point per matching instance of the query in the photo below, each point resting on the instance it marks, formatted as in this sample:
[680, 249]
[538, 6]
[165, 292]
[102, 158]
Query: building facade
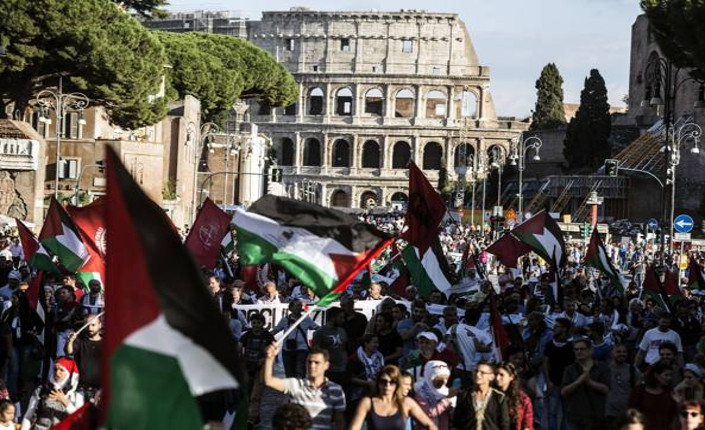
[377, 89]
[229, 23]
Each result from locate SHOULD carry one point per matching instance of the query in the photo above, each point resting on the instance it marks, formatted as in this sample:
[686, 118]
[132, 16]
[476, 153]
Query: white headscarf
[425, 388]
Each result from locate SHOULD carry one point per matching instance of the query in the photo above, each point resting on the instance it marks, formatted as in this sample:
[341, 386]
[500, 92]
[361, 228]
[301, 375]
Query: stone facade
[377, 89]
[22, 152]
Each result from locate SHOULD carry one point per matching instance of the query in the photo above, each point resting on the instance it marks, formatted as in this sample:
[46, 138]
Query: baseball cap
[428, 335]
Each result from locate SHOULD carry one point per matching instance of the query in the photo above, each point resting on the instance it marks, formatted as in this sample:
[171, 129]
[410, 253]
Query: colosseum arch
[401, 154]
[432, 156]
[344, 102]
[368, 200]
[312, 152]
[371, 155]
[404, 104]
[466, 104]
[339, 199]
[286, 152]
[315, 101]
[374, 102]
[341, 153]
[399, 197]
[469, 155]
[436, 102]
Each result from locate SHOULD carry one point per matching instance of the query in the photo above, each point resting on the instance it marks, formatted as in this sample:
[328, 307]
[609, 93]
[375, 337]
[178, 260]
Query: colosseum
[377, 89]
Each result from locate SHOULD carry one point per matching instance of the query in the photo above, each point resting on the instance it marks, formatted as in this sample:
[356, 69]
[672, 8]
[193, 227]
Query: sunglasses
[387, 382]
[692, 414]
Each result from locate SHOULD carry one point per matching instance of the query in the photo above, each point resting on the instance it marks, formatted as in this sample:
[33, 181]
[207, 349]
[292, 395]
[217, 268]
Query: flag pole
[83, 327]
[348, 278]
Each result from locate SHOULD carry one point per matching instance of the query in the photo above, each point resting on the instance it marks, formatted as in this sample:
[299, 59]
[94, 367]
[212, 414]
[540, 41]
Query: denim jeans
[555, 409]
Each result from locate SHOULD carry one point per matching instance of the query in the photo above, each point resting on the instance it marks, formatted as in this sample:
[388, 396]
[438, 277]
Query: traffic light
[276, 174]
[587, 230]
[611, 167]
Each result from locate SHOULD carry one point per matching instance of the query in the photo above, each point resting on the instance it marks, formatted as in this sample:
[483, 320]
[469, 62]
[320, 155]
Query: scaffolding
[539, 198]
[583, 210]
[563, 198]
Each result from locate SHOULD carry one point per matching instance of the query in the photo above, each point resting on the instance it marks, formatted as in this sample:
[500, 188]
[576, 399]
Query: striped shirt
[321, 402]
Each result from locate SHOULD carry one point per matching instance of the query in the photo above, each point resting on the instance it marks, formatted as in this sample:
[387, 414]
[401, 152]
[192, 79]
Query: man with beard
[86, 351]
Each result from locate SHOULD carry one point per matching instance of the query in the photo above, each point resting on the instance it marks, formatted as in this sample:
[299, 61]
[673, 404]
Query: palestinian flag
[317, 245]
[508, 249]
[544, 237]
[428, 272]
[423, 255]
[90, 221]
[596, 256]
[695, 275]
[653, 287]
[165, 342]
[61, 236]
[34, 252]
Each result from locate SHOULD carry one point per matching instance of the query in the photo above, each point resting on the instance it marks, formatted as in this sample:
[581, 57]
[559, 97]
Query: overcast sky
[516, 38]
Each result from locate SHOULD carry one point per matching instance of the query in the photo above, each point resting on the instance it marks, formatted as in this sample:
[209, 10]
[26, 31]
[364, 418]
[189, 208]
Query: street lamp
[60, 103]
[208, 132]
[520, 148]
[497, 159]
[687, 132]
[662, 78]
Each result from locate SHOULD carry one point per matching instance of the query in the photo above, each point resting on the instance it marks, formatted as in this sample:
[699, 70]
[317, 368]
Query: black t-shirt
[254, 347]
[355, 329]
[87, 355]
[388, 344]
[558, 359]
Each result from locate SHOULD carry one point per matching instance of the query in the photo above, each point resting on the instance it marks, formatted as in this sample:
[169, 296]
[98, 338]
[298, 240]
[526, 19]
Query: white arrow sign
[682, 223]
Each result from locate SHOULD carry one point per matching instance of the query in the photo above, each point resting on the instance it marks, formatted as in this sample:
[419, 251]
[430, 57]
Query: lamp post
[687, 132]
[497, 162]
[60, 103]
[520, 148]
[208, 131]
[662, 77]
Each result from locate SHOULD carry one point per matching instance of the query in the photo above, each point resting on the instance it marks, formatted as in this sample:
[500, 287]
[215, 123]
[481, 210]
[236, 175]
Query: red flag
[208, 231]
[248, 274]
[403, 280]
[425, 211]
[670, 284]
[90, 220]
[83, 419]
[508, 249]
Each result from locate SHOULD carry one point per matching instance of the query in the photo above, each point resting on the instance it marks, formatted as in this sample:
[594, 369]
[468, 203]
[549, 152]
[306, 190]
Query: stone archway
[371, 155]
[339, 199]
[432, 156]
[401, 154]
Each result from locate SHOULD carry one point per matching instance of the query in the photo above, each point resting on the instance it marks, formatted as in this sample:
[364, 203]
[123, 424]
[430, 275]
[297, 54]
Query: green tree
[98, 48]
[679, 31]
[145, 8]
[548, 112]
[219, 70]
[445, 187]
[586, 143]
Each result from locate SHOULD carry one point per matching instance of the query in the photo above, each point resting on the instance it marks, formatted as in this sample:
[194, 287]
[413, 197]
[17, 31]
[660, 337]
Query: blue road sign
[652, 224]
[683, 224]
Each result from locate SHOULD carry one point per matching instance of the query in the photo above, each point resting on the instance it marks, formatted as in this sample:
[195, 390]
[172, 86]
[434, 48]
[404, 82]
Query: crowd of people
[598, 357]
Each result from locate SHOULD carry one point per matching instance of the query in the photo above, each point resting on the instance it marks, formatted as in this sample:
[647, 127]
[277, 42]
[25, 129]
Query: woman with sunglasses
[690, 416]
[388, 409]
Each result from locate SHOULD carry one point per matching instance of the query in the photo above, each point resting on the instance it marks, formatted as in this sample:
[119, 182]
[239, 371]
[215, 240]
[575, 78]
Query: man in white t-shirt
[468, 342]
[652, 340]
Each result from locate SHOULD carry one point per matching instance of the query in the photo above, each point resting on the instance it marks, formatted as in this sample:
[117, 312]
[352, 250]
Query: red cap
[67, 364]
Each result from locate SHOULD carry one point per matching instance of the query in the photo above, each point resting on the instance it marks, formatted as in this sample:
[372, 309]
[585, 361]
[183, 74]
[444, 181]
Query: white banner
[275, 312]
